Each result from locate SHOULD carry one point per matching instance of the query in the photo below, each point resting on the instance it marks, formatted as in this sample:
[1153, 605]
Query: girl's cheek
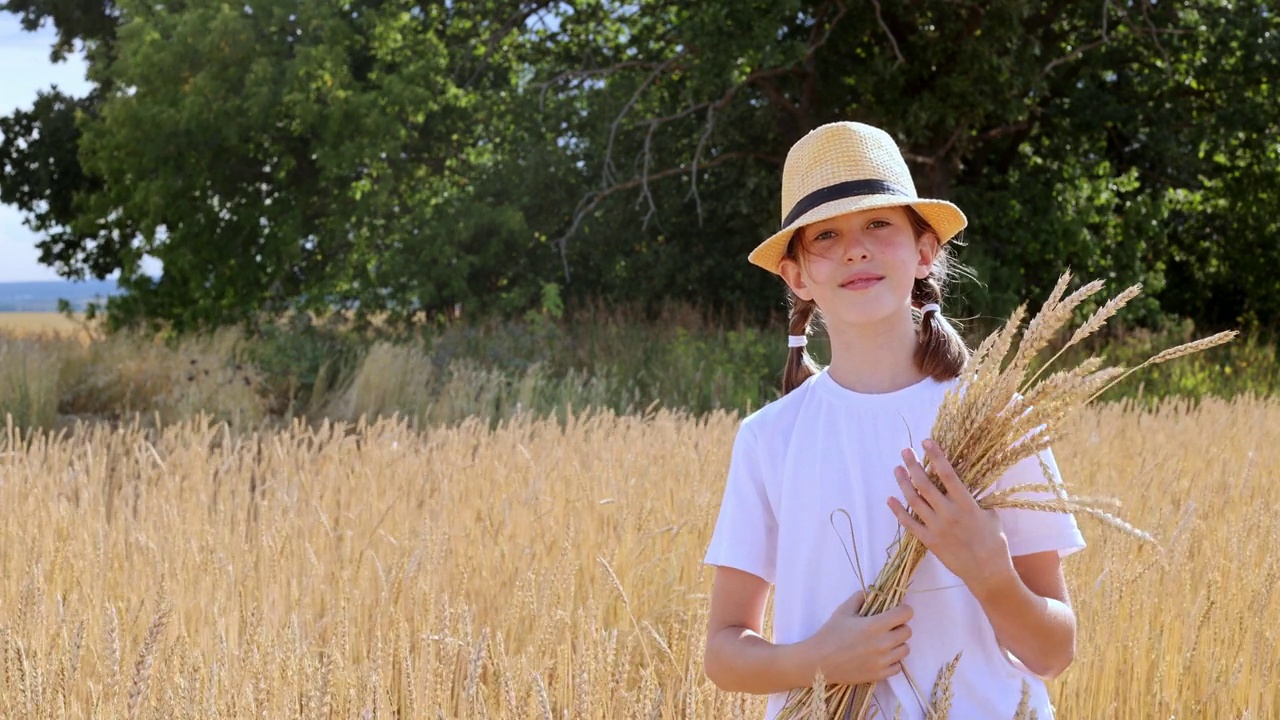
[824, 269]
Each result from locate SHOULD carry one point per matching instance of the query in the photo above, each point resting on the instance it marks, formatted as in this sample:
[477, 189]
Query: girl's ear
[927, 248]
[790, 271]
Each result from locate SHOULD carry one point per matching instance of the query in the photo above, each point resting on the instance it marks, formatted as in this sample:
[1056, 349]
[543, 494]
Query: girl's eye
[878, 224]
[825, 235]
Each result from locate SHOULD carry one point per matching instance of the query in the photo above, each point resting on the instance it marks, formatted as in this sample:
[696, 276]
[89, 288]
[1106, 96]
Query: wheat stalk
[994, 418]
[1093, 324]
[146, 657]
[1173, 353]
[940, 699]
[1024, 704]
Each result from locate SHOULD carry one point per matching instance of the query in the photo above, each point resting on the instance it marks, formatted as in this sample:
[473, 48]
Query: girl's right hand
[852, 650]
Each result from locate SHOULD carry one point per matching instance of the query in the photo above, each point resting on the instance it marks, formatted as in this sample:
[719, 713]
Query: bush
[620, 360]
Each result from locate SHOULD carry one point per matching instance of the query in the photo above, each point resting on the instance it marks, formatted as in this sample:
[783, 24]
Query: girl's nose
[855, 250]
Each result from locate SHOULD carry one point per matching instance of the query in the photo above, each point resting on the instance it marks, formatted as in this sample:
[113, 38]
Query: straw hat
[845, 167]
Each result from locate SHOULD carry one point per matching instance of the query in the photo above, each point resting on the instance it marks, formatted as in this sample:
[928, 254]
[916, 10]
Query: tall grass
[403, 380]
[28, 382]
[617, 360]
[548, 569]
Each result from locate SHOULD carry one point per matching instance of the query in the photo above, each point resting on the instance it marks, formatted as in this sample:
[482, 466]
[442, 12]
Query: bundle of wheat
[996, 415]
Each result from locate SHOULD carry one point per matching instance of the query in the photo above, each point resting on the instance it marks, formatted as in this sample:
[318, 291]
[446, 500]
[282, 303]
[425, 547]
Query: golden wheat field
[35, 323]
[546, 570]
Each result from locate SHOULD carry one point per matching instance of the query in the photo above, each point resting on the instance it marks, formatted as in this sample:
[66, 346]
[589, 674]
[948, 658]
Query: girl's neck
[877, 358]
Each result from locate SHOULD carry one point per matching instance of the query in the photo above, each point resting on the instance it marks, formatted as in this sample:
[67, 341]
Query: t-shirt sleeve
[1033, 531]
[746, 532]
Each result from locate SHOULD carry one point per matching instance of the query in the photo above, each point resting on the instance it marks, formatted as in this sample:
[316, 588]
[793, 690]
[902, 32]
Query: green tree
[406, 158]
[282, 155]
[40, 170]
[287, 154]
[1110, 139]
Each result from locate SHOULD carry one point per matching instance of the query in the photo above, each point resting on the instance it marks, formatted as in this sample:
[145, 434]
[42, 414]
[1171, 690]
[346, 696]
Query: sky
[25, 67]
[26, 70]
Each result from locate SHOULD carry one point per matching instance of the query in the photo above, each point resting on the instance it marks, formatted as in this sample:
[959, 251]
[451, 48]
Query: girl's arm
[1031, 613]
[737, 657]
[1025, 598]
[849, 649]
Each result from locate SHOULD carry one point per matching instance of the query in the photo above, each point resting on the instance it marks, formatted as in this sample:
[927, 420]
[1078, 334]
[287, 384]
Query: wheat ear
[1194, 346]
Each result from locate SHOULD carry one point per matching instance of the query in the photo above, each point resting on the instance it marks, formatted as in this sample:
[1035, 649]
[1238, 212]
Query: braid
[800, 365]
[941, 353]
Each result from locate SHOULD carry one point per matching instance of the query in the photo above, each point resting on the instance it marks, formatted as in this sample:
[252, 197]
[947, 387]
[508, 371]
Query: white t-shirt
[823, 447]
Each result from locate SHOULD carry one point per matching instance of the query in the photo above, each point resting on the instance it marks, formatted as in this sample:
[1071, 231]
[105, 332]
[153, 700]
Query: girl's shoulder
[781, 414]
[819, 402]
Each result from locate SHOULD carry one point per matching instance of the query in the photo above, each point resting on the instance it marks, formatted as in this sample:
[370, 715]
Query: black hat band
[842, 190]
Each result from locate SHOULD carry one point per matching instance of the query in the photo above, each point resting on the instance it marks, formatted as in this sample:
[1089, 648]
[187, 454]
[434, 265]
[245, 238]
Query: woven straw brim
[945, 218]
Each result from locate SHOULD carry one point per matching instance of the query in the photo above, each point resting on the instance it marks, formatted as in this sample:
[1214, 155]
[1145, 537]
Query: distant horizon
[59, 281]
[35, 296]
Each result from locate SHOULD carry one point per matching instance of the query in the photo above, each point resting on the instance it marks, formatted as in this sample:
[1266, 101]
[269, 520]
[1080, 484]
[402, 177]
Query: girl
[820, 481]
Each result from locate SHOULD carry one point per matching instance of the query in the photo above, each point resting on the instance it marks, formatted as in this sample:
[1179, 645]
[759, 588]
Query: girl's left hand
[968, 540]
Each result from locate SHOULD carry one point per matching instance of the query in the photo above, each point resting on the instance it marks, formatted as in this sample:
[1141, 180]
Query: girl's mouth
[860, 283]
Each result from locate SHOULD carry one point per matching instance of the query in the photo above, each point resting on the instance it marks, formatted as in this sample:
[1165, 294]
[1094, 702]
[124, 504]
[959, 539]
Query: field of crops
[36, 323]
[549, 570]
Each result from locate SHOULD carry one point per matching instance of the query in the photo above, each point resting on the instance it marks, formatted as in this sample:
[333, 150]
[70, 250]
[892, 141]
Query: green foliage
[1246, 367]
[1071, 137]
[678, 359]
[301, 363]
[402, 161]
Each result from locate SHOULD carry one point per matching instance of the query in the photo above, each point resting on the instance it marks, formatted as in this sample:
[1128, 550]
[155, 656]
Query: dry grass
[548, 571]
[39, 323]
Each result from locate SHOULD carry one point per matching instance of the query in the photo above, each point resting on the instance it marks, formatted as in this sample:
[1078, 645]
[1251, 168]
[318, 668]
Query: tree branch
[589, 202]
[1072, 56]
[1006, 130]
[883, 26]
[1155, 37]
[697, 156]
[617, 122]
[609, 182]
[545, 86]
[517, 18]
[644, 176]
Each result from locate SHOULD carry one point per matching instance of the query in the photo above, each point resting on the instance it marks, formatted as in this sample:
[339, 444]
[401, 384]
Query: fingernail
[929, 445]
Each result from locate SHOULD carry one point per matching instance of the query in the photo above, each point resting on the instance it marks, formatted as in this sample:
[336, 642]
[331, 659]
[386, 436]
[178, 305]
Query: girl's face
[860, 267]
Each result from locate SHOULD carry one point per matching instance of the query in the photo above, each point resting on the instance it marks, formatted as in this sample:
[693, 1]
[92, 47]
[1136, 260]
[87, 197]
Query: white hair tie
[795, 341]
[931, 307]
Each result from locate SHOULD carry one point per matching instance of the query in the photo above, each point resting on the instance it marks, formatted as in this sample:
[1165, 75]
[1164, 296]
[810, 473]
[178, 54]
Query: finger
[898, 616]
[898, 654]
[918, 502]
[891, 661]
[893, 618]
[886, 672]
[912, 525]
[951, 481]
[924, 486]
[898, 635]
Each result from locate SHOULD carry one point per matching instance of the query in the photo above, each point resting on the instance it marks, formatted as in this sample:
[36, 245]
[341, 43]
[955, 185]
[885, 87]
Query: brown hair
[942, 352]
